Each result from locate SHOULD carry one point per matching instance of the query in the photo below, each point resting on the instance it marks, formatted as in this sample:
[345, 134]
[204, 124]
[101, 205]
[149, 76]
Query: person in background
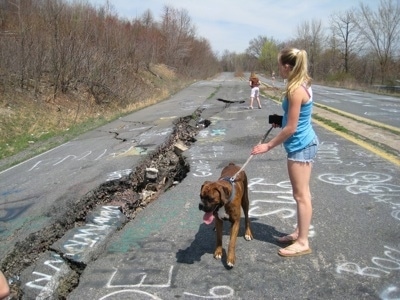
[273, 78]
[4, 288]
[300, 142]
[254, 83]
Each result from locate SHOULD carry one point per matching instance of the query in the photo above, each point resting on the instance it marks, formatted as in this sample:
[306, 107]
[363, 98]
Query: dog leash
[232, 179]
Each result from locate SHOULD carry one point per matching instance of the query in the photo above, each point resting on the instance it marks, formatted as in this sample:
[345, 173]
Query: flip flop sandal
[295, 252]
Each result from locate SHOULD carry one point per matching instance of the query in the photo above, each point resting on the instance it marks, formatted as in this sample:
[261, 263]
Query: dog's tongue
[208, 218]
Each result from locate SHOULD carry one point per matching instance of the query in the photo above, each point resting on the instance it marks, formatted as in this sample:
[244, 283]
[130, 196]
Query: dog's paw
[248, 237]
[218, 253]
[230, 261]
[217, 256]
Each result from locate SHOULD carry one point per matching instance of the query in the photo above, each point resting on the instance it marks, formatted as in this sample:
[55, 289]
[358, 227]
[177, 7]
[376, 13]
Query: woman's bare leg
[299, 175]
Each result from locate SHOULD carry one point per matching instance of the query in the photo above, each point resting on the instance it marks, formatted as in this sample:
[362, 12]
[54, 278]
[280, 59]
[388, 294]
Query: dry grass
[27, 120]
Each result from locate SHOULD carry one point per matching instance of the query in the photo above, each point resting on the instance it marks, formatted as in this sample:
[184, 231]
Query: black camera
[275, 119]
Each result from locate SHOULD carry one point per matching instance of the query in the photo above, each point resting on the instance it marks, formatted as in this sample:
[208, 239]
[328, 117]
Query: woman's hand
[260, 148]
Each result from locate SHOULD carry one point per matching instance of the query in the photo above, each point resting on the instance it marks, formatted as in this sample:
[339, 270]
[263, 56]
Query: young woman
[300, 143]
[254, 83]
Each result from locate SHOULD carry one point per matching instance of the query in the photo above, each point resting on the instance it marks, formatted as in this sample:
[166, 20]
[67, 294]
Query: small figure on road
[300, 142]
[254, 83]
[4, 288]
[273, 78]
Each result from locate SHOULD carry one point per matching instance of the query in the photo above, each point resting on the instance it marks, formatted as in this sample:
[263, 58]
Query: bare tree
[310, 37]
[148, 38]
[178, 31]
[22, 33]
[202, 56]
[382, 30]
[256, 45]
[346, 33]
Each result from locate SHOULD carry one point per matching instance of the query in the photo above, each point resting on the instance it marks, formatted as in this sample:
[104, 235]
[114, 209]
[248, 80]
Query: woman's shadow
[205, 240]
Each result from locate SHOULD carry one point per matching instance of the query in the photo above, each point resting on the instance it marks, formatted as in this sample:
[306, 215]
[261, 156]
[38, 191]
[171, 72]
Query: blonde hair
[298, 63]
[253, 75]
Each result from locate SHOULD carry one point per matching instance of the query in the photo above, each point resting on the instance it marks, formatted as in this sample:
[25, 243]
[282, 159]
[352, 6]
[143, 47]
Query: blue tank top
[304, 132]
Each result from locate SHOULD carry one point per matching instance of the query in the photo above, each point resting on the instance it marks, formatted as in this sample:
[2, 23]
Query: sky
[232, 24]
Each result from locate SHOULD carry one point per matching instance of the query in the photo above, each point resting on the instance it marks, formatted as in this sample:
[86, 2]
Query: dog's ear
[224, 193]
[204, 184]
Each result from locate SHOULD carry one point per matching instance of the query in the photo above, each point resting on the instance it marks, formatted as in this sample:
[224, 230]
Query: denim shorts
[307, 154]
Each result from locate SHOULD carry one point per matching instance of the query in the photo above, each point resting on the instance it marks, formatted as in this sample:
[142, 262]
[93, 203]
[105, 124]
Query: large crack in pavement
[156, 173]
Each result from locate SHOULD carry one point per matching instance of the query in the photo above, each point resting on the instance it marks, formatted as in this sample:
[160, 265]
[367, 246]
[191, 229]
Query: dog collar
[231, 180]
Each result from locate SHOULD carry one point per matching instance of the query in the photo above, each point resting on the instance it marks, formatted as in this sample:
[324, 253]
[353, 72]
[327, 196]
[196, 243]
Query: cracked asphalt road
[149, 136]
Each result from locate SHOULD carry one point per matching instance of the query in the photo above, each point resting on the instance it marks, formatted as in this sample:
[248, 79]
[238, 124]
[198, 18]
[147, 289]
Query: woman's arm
[4, 288]
[295, 101]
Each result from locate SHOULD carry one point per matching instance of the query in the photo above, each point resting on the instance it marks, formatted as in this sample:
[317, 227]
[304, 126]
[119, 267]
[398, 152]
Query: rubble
[160, 170]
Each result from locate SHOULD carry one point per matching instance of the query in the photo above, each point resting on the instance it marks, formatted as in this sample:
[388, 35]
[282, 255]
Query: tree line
[358, 46]
[63, 45]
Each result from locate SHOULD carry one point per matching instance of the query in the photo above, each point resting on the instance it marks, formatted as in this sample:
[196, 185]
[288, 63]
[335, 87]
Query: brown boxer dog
[224, 199]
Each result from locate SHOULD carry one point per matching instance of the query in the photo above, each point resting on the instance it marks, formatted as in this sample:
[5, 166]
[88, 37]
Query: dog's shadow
[205, 240]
